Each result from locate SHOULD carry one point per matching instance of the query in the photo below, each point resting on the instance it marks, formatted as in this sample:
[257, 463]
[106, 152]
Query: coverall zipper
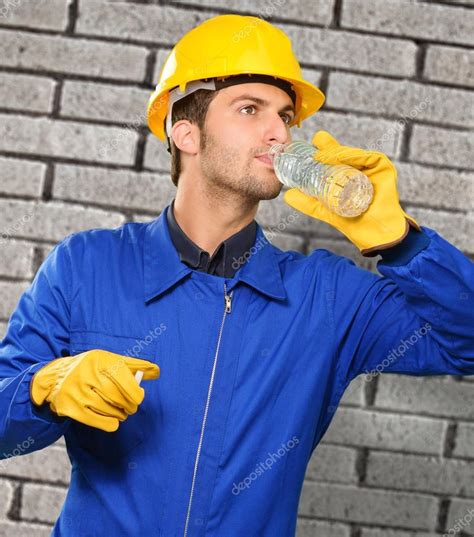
[227, 309]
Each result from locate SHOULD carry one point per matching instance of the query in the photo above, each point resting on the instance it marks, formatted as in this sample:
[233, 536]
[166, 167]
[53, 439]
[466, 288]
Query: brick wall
[75, 76]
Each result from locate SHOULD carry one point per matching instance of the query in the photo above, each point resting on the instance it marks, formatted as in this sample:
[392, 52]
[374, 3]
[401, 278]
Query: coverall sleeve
[416, 319]
[37, 332]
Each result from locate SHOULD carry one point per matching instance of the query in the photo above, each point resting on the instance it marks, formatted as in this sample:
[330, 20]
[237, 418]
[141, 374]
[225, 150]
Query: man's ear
[186, 136]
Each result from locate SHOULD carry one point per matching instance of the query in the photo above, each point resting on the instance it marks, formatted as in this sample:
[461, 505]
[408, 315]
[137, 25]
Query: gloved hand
[385, 223]
[96, 387]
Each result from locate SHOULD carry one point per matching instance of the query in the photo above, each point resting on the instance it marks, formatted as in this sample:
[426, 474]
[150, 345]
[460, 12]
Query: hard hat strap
[176, 94]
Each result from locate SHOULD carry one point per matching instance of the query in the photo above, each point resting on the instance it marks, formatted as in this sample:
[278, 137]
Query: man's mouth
[265, 159]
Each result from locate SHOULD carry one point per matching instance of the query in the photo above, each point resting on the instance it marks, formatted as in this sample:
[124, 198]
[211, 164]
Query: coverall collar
[163, 267]
[221, 261]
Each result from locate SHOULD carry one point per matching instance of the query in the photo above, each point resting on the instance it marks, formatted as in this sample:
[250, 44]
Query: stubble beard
[221, 166]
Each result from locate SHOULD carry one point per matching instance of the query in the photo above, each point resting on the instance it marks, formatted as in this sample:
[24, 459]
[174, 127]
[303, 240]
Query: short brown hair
[193, 107]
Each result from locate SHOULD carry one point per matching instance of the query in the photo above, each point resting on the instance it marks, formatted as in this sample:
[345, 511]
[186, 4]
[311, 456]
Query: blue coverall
[252, 370]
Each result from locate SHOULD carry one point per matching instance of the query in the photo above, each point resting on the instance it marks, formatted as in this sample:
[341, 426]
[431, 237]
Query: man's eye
[248, 106]
[287, 116]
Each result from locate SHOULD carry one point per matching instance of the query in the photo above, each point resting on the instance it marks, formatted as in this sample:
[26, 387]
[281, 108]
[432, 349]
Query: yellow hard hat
[222, 47]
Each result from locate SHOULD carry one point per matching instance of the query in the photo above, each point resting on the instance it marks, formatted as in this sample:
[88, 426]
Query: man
[254, 355]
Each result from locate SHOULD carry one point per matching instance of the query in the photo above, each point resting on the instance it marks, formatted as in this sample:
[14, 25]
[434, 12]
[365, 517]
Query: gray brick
[42, 502]
[10, 292]
[385, 532]
[22, 177]
[278, 216]
[40, 14]
[16, 217]
[66, 139]
[158, 24]
[449, 64]
[50, 464]
[60, 442]
[356, 504]
[26, 93]
[333, 463]
[354, 394]
[284, 241]
[7, 529]
[386, 431]
[121, 188]
[313, 76]
[464, 444]
[437, 187]
[403, 99]
[423, 474]
[115, 104]
[156, 156]
[460, 517]
[425, 395]
[455, 228]
[161, 55]
[347, 249]
[60, 54]
[357, 131]
[315, 12]
[349, 50]
[3, 330]
[53, 221]
[16, 258]
[139, 217]
[6, 497]
[435, 145]
[406, 18]
[312, 528]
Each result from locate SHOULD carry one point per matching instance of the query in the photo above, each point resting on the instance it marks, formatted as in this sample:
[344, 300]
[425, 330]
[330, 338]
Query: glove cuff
[374, 250]
[38, 392]
[411, 224]
[44, 380]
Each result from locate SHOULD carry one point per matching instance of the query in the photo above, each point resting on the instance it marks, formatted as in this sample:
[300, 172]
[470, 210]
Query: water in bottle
[341, 188]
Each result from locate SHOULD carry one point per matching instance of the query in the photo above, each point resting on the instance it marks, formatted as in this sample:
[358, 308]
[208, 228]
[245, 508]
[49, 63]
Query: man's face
[244, 121]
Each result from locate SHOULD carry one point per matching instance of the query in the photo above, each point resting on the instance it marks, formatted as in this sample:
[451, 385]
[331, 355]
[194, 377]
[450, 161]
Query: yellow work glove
[96, 387]
[385, 223]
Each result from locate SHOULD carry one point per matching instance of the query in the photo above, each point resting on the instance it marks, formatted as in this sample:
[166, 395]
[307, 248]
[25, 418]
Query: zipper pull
[228, 300]
[228, 303]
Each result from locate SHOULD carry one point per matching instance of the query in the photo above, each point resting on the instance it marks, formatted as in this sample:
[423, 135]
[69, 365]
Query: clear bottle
[341, 188]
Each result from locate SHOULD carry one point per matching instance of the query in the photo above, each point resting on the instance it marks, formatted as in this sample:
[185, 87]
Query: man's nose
[277, 131]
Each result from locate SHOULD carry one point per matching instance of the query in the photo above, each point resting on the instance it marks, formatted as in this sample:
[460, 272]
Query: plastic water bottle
[341, 188]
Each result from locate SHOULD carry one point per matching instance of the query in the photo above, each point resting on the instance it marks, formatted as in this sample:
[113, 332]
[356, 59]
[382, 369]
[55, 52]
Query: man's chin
[271, 193]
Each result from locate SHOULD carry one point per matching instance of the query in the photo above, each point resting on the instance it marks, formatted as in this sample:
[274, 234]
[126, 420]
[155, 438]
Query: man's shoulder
[316, 256]
[103, 241]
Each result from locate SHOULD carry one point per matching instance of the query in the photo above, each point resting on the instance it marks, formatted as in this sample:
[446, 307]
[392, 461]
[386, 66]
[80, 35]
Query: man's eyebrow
[261, 102]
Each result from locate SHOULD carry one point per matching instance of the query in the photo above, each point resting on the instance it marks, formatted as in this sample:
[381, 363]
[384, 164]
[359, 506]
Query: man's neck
[208, 221]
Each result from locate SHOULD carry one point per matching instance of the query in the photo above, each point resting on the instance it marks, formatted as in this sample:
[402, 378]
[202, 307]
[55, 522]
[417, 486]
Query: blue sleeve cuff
[43, 411]
[404, 251]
